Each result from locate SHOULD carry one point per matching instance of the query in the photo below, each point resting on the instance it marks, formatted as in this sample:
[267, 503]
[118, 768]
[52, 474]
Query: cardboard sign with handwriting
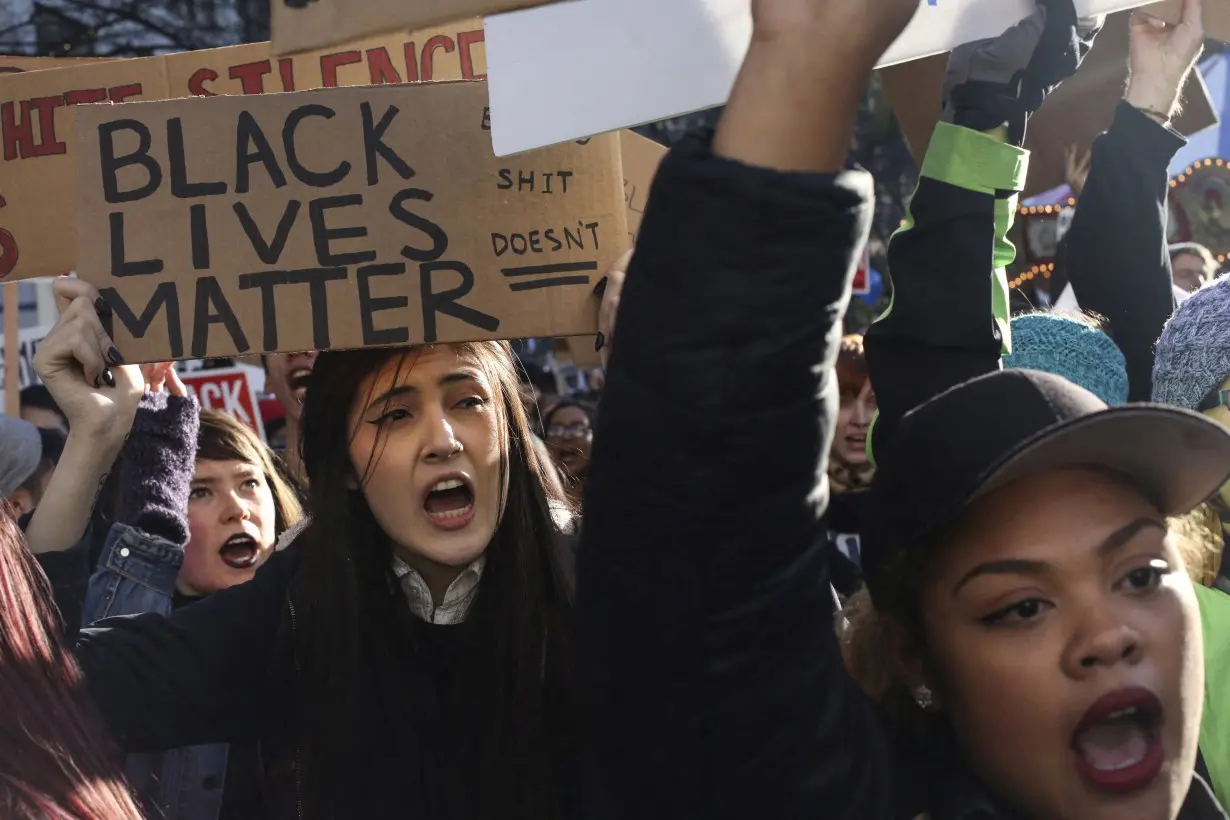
[38, 187]
[337, 219]
[299, 25]
[641, 157]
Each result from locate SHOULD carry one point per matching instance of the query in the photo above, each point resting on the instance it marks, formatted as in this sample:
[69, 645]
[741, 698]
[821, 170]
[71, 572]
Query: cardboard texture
[641, 157]
[1216, 15]
[337, 219]
[37, 178]
[622, 63]
[1075, 114]
[299, 25]
[18, 65]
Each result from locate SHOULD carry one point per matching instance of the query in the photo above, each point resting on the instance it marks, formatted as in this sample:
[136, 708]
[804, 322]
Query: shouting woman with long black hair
[407, 654]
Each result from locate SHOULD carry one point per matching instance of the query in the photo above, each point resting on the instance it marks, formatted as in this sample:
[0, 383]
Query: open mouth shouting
[449, 503]
[298, 378]
[1117, 744]
[241, 551]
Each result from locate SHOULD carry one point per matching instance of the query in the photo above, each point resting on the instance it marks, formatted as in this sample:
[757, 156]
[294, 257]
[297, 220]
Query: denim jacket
[136, 573]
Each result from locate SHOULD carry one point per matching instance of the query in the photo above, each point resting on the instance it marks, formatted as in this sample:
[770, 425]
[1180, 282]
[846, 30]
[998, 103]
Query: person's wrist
[1158, 100]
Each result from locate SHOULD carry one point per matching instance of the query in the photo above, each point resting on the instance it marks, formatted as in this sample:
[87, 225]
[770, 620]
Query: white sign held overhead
[622, 63]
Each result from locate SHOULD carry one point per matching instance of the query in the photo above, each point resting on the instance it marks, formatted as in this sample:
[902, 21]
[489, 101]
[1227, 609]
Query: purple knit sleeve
[159, 460]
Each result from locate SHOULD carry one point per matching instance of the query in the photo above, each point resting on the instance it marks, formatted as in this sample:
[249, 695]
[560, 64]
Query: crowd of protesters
[965, 565]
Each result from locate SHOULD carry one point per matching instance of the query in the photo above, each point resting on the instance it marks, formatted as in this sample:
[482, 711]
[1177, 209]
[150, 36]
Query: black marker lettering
[304, 175]
[550, 235]
[373, 145]
[439, 239]
[317, 280]
[323, 236]
[506, 182]
[181, 188]
[593, 227]
[266, 281]
[111, 164]
[368, 306]
[251, 146]
[200, 237]
[208, 296]
[165, 294]
[564, 177]
[120, 266]
[446, 301]
[268, 252]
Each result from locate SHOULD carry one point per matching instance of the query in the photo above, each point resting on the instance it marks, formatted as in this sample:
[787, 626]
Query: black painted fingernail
[600, 288]
[108, 378]
[600, 342]
[105, 315]
[114, 356]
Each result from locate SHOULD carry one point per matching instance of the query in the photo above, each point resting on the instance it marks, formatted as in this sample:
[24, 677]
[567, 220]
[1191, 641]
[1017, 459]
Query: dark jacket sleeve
[159, 461]
[947, 321]
[706, 634]
[198, 676]
[1116, 254]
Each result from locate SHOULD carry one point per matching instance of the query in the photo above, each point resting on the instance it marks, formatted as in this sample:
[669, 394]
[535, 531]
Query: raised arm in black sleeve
[1116, 253]
[705, 617]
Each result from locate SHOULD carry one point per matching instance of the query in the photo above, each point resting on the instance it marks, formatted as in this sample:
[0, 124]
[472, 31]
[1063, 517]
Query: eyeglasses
[578, 430]
[1218, 397]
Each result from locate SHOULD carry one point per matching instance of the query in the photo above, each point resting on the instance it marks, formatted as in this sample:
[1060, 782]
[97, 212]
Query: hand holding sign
[71, 361]
[1162, 55]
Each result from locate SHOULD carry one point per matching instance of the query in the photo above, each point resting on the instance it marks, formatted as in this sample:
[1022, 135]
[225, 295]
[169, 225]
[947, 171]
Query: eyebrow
[404, 389]
[1020, 566]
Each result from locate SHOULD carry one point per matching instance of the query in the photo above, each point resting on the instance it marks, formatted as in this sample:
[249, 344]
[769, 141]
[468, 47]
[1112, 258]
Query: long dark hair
[437, 722]
[57, 761]
[224, 438]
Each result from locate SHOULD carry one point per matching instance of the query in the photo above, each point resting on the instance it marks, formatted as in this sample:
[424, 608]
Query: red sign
[228, 391]
[862, 276]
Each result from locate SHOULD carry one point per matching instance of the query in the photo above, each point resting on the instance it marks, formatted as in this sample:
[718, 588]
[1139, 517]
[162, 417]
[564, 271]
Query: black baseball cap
[995, 429]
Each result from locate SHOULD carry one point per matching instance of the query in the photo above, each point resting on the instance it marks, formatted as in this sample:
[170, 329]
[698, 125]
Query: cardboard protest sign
[37, 176]
[18, 65]
[227, 390]
[641, 157]
[1075, 114]
[1216, 14]
[336, 219]
[621, 63]
[299, 25]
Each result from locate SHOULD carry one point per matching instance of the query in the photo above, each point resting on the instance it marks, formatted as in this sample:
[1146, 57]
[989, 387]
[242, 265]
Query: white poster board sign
[623, 63]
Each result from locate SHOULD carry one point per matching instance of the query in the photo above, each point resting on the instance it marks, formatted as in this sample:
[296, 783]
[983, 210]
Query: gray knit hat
[21, 450]
[1193, 355]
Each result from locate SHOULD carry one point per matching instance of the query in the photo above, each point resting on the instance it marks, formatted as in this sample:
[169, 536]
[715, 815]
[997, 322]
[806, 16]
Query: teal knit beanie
[1067, 347]
[1193, 355]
